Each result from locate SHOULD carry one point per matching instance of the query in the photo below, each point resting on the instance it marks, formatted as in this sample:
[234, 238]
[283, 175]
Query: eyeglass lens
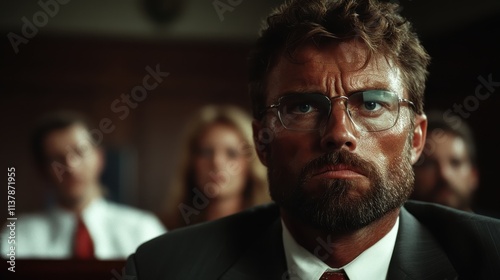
[371, 110]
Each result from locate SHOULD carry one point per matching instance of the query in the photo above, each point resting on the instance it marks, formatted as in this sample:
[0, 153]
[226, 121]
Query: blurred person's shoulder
[132, 217]
[130, 212]
[36, 217]
[33, 222]
[33, 234]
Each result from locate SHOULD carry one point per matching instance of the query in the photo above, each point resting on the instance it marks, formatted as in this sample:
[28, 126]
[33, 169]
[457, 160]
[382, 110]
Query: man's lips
[339, 171]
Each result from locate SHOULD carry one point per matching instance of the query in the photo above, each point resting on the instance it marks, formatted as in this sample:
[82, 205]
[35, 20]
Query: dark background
[91, 52]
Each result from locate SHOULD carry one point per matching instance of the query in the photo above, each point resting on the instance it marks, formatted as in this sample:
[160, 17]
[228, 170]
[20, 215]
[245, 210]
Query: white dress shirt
[372, 264]
[116, 231]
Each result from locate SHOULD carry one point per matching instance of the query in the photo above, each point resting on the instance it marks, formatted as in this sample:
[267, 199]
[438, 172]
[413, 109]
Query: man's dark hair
[377, 24]
[51, 122]
[436, 121]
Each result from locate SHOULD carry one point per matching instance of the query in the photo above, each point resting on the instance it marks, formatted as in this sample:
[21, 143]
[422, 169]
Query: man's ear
[260, 146]
[419, 134]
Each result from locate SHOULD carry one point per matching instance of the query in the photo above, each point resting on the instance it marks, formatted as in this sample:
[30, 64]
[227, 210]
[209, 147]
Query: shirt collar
[373, 263]
[92, 210]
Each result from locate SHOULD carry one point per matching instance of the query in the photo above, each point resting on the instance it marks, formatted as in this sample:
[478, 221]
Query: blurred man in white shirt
[72, 163]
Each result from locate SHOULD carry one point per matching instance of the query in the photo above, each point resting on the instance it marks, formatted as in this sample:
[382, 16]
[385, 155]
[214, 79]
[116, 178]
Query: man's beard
[337, 209]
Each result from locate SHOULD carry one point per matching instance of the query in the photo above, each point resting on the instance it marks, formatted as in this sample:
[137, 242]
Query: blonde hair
[181, 189]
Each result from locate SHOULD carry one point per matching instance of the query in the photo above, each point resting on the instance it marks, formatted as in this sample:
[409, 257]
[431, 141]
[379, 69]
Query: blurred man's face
[339, 178]
[445, 174]
[74, 164]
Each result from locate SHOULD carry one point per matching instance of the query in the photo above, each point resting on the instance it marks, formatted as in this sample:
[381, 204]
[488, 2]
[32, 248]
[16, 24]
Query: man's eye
[304, 108]
[372, 103]
[371, 106]
[301, 108]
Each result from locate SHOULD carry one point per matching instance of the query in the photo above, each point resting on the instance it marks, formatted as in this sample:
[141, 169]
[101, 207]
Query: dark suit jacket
[433, 242]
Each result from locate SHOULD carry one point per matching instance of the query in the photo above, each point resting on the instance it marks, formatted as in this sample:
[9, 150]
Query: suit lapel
[265, 258]
[417, 254]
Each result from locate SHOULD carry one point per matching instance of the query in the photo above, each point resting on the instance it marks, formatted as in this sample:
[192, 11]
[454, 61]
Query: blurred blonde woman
[220, 173]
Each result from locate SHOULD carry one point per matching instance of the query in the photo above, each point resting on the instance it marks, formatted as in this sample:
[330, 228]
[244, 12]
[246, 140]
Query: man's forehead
[350, 56]
[323, 65]
[348, 51]
[64, 138]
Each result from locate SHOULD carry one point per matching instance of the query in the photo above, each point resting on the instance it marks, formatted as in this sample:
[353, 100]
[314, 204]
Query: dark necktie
[83, 245]
[337, 275]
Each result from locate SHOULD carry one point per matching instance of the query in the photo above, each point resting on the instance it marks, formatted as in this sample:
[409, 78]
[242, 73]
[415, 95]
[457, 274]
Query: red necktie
[83, 245]
[338, 275]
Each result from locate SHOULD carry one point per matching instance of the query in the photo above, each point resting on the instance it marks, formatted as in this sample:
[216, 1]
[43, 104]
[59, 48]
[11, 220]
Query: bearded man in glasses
[337, 90]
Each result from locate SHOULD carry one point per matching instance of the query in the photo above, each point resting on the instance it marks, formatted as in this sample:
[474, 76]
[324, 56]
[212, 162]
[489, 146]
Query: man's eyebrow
[296, 91]
[304, 91]
[369, 84]
[347, 93]
[368, 89]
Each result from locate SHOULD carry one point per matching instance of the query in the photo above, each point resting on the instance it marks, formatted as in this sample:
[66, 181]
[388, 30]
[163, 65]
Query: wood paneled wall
[91, 73]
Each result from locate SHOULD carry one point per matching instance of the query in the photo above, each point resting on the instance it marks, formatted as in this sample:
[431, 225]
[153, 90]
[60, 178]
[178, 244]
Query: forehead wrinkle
[355, 70]
[312, 77]
[321, 76]
[379, 73]
[335, 69]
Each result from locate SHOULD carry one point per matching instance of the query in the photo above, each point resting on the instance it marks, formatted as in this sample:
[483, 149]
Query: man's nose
[339, 131]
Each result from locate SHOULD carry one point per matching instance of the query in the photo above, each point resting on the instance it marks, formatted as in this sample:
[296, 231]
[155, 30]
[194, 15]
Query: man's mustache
[335, 158]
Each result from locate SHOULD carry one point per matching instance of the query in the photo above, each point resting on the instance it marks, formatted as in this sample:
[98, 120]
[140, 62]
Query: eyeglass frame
[331, 101]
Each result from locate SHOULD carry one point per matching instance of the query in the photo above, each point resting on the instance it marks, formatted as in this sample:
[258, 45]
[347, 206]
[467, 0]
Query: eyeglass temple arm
[409, 102]
[272, 106]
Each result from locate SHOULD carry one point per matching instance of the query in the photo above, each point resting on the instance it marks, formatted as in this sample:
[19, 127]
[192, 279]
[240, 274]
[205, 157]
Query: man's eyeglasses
[370, 110]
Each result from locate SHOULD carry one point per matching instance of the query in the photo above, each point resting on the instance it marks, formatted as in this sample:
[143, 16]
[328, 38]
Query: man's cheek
[288, 158]
[296, 162]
